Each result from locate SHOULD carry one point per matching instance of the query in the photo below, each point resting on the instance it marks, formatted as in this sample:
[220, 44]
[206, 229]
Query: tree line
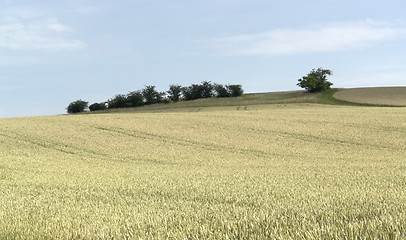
[149, 95]
[315, 81]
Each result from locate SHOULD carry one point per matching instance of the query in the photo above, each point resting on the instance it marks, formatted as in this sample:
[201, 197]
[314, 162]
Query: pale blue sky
[55, 52]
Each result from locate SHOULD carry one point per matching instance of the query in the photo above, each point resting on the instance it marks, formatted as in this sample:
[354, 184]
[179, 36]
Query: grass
[327, 98]
[279, 171]
[246, 100]
[335, 96]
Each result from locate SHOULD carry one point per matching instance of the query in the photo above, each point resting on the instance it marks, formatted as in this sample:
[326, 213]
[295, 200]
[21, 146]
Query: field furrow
[267, 172]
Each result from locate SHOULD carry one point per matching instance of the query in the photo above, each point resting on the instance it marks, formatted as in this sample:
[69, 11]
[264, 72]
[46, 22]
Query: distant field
[395, 96]
[295, 171]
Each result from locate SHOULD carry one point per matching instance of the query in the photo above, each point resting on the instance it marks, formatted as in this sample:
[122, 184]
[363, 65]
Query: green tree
[77, 106]
[152, 96]
[221, 91]
[187, 93]
[135, 99]
[207, 89]
[316, 80]
[97, 106]
[197, 91]
[118, 101]
[235, 90]
[175, 92]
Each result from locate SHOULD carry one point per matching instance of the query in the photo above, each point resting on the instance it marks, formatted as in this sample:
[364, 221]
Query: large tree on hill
[316, 80]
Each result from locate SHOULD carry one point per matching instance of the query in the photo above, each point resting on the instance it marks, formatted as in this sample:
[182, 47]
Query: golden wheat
[277, 172]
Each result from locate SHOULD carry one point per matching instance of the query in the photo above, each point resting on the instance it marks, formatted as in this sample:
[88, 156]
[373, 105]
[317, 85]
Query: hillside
[392, 96]
[260, 166]
[379, 96]
[245, 100]
[275, 171]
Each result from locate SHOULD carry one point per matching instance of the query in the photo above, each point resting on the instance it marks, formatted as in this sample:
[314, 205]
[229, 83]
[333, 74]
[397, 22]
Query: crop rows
[278, 172]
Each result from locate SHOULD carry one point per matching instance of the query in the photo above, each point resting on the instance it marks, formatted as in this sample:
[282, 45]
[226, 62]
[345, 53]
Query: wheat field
[392, 96]
[297, 171]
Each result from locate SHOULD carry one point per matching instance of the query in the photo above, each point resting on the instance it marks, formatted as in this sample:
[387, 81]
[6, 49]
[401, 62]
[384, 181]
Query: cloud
[328, 38]
[36, 34]
[397, 78]
[58, 27]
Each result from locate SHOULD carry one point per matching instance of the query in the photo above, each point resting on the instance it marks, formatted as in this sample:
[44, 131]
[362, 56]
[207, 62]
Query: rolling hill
[391, 96]
[379, 96]
[261, 166]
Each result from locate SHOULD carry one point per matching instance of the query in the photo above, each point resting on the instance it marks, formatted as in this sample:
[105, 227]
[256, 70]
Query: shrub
[235, 90]
[135, 99]
[149, 95]
[119, 101]
[197, 91]
[97, 106]
[221, 90]
[77, 106]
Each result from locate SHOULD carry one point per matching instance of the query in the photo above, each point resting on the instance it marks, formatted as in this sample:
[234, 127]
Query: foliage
[221, 91]
[118, 101]
[97, 107]
[175, 92]
[151, 95]
[206, 89]
[316, 80]
[197, 91]
[235, 90]
[77, 106]
[187, 93]
[135, 99]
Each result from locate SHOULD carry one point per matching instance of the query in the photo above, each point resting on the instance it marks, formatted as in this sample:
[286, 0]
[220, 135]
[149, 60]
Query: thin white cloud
[328, 38]
[373, 79]
[36, 34]
[55, 26]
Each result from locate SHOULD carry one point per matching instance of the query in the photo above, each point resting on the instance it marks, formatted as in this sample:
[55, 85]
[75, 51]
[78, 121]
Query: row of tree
[149, 95]
[315, 81]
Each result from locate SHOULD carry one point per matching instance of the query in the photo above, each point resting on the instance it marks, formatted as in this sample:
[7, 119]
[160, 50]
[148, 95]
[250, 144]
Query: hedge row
[149, 95]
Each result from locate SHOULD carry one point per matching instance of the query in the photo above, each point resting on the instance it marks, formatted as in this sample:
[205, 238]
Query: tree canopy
[316, 80]
[149, 95]
[77, 106]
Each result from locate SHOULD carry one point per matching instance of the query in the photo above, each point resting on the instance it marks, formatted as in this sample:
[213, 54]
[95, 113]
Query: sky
[55, 52]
